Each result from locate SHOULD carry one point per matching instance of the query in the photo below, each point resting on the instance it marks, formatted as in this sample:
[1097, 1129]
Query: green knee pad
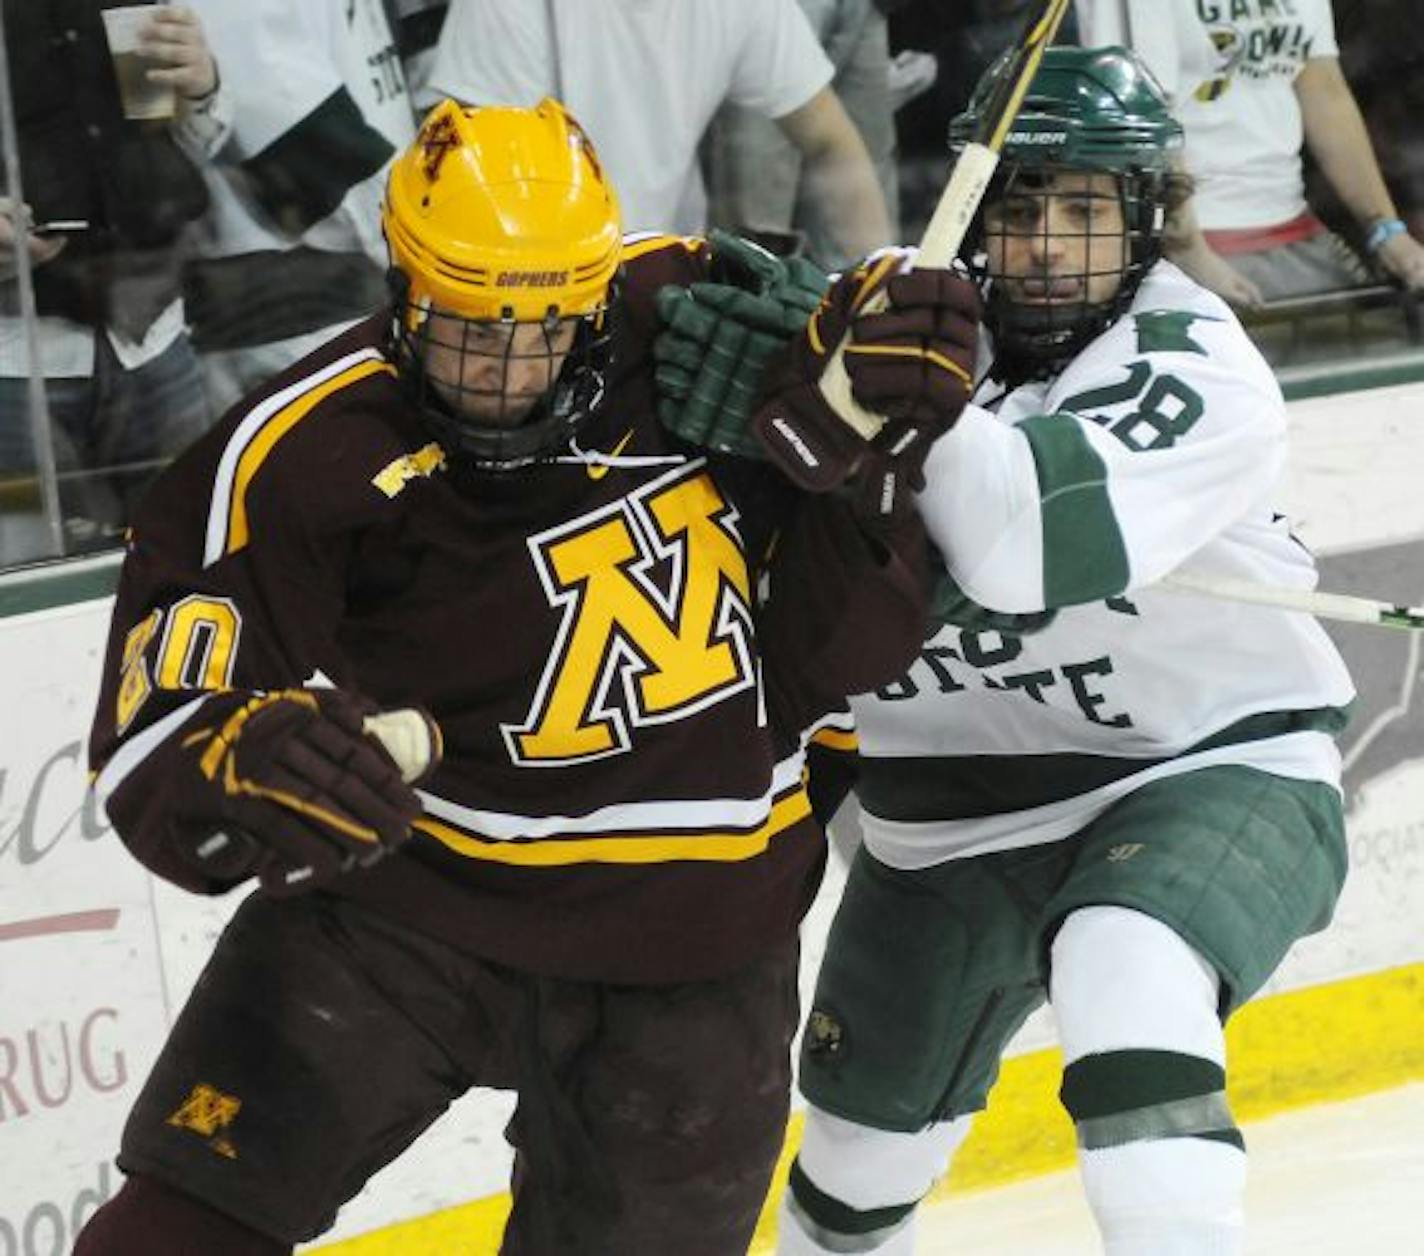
[1138, 1095]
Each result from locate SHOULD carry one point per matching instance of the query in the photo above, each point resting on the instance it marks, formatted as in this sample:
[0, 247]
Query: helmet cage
[500, 222]
[1039, 336]
[1095, 111]
[481, 423]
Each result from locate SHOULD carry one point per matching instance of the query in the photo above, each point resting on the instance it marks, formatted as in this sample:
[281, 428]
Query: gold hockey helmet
[503, 213]
[500, 220]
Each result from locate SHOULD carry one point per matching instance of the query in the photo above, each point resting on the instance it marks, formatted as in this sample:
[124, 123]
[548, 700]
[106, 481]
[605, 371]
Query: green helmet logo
[1094, 108]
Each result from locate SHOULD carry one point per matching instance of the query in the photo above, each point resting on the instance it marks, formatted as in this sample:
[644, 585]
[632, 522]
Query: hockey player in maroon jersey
[467, 506]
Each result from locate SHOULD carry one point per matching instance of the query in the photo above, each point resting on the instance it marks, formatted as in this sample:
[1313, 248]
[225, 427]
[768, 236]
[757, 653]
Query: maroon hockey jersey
[625, 686]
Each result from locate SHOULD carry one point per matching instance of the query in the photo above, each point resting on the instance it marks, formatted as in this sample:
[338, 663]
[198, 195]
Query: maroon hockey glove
[912, 363]
[293, 787]
[881, 493]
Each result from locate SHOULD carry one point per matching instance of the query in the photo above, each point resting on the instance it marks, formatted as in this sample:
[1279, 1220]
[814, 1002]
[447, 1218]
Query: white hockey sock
[860, 1186]
[792, 1238]
[1167, 1197]
[1159, 1154]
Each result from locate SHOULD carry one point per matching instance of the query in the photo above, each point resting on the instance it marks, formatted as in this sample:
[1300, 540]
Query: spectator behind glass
[757, 178]
[416, 26]
[122, 384]
[644, 77]
[1382, 57]
[291, 250]
[1175, 46]
[1277, 85]
[964, 39]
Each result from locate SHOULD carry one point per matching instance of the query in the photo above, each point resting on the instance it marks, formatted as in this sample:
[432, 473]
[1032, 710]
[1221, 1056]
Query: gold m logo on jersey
[653, 590]
[208, 1112]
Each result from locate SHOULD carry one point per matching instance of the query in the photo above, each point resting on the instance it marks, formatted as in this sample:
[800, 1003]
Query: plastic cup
[140, 97]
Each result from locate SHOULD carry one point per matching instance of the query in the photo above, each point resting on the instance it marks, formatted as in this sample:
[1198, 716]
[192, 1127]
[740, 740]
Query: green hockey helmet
[1095, 110]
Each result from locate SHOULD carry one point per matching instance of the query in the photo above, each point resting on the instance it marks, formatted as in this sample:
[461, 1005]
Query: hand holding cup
[159, 53]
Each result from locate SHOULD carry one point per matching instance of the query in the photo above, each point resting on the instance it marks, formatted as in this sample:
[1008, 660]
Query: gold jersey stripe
[658, 242]
[272, 431]
[836, 739]
[624, 848]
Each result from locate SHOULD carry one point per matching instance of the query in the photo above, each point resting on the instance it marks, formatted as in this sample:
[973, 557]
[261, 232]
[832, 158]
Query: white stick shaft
[973, 169]
[959, 201]
[1341, 606]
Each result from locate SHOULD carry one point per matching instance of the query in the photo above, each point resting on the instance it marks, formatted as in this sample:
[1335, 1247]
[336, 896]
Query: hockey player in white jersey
[1088, 790]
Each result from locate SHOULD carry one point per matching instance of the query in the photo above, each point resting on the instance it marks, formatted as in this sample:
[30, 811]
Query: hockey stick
[1341, 606]
[960, 199]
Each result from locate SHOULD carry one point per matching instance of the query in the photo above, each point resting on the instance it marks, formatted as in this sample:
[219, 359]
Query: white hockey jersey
[1157, 447]
[319, 83]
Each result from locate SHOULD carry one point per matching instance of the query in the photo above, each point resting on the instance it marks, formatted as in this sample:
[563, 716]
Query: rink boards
[96, 956]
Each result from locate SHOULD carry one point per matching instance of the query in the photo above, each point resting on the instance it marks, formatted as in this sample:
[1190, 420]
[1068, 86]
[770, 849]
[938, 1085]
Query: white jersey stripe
[138, 747]
[628, 818]
[224, 483]
[1307, 756]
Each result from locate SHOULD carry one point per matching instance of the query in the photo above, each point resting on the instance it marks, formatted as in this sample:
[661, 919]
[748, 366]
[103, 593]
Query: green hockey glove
[719, 335]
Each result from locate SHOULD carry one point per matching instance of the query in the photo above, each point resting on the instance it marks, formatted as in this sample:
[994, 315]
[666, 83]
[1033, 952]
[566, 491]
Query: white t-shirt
[643, 77]
[1169, 37]
[1243, 124]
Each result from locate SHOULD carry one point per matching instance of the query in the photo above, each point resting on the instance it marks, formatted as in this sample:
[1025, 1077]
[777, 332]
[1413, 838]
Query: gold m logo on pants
[208, 1112]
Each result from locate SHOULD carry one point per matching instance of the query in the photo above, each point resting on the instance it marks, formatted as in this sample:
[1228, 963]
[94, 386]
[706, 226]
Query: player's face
[495, 373]
[1057, 238]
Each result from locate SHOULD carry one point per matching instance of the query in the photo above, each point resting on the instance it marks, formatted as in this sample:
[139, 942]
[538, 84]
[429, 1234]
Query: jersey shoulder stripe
[640, 243]
[259, 432]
